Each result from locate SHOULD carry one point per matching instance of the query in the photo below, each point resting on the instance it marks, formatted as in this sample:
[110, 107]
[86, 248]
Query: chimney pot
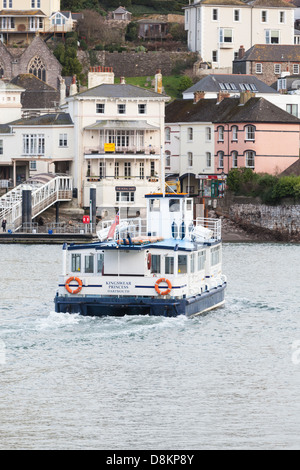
[241, 52]
[198, 95]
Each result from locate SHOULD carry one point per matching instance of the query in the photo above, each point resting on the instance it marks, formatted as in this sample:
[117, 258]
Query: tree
[184, 83]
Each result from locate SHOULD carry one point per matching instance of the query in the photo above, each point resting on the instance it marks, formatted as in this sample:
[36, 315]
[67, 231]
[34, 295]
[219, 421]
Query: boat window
[174, 205]
[76, 263]
[100, 263]
[201, 260]
[189, 205]
[215, 255]
[193, 263]
[89, 264]
[169, 265]
[154, 205]
[155, 264]
[182, 264]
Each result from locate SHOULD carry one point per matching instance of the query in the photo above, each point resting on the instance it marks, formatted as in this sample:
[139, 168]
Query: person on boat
[4, 225]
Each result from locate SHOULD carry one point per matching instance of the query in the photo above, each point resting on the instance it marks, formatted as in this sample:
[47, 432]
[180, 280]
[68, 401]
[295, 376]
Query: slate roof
[37, 94]
[253, 3]
[53, 119]
[120, 91]
[213, 83]
[228, 110]
[272, 53]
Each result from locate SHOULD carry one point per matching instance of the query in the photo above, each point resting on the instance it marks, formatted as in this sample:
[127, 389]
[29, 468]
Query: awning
[121, 125]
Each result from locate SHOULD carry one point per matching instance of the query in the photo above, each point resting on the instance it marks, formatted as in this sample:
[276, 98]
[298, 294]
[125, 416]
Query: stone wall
[135, 64]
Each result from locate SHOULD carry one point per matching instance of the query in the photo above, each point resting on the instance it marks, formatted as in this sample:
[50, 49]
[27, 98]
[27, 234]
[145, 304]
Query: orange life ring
[68, 282]
[165, 292]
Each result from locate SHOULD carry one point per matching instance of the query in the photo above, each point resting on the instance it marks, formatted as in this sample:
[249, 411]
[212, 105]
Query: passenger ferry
[165, 265]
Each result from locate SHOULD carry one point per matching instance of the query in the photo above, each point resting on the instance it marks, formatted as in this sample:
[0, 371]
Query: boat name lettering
[118, 286]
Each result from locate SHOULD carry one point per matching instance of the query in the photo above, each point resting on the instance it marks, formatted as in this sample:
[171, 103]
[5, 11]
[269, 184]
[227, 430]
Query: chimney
[73, 86]
[122, 81]
[241, 52]
[100, 75]
[62, 90]
[222, 95]
[158, 82]
[245, 96]
[198, 95]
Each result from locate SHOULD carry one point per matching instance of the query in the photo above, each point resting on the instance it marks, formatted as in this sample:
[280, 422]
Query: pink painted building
[252, 132]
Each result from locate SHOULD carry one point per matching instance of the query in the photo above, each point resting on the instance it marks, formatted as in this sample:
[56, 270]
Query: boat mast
[162, 162]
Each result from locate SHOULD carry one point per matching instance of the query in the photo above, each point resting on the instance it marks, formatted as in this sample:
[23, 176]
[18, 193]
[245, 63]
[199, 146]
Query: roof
[271, 53]
[121, 10]
[228, 110]
[250, 3]
[53, 119]
[231, 83]
[120, 91]
[22, 13]
[133, 125]
[7, 86]
[36, 93]
[293, 169]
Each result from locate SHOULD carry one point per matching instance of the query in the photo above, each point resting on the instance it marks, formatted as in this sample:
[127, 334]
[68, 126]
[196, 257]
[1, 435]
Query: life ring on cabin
[165, 292]
[68, 282]
[149, 259]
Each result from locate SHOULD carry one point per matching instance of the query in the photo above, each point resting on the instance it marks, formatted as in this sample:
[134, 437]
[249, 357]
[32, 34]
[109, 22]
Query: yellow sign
[109, 147]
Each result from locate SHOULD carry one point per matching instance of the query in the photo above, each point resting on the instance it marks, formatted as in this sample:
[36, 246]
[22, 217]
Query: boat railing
[137, 227]
[214, 225]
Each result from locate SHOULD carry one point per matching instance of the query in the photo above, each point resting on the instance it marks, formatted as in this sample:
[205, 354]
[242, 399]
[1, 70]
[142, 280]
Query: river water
[226, 380]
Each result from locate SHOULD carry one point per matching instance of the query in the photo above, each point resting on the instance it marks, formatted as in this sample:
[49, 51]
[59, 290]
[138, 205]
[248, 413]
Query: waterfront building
[21, 20]
[217, 29]
[119, 143]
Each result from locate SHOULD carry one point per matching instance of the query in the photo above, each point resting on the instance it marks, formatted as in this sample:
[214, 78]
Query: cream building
[119, 142]
[216, 29]
[21, 20]
[10, 102]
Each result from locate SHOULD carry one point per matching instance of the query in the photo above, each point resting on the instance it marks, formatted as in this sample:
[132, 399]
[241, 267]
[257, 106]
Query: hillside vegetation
[137, 7]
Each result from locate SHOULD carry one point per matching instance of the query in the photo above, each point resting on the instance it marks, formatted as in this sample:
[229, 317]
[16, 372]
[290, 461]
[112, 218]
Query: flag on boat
[113, 226]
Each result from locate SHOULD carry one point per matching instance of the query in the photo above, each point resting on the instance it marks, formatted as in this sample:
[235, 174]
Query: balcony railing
[99, 150]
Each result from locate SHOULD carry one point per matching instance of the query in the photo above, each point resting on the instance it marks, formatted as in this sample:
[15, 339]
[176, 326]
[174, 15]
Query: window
[100, 263]
[142, 108]
[168, 134]
[192, 263]
[215, 14]
[76, 263]
[258, 68]
[169, 265]
[89, 264]
[221, 159]
[190, 158]
[236, 15]
[226, 36]
[264, 16]
[100, 108]
[168, 159]
[152, 168]
[63, 140]
[155, 264]
[190, 133]
[102, 169]
[201, 260]
[124, 196]
[221, 134]
[277, 69]
[182, 264]
[250, 159]
[215, 255]
[174, 205]
[127, 170]
[208, 134]
[234, 159]
[32, 3]
[272, 36]
[282, 17]
[250, 133]
[142, 170]
[208, 159]
[32, 165]
[1, 147]
[33, 144]
[214, 56]
[295, 69]
[234, 133]
[292, 109]
[121, 108]
[37, 68]
[117, 170]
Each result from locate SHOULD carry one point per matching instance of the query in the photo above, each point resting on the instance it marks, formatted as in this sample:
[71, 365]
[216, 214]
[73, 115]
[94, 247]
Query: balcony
[130, 152]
